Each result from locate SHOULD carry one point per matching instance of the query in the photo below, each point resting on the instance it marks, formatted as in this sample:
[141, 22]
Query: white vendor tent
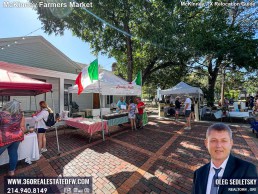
[110, 84]
[182, 88]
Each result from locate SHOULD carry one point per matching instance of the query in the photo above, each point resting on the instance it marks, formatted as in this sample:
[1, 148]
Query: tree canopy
[164, 39]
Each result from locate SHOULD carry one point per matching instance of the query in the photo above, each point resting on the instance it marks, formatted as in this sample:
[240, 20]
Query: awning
[13, 84]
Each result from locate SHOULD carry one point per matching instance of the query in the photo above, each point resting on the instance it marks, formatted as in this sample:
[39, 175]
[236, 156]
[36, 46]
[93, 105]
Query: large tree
[159, 37]
[223, 38]
[107, 25]
[141, 35]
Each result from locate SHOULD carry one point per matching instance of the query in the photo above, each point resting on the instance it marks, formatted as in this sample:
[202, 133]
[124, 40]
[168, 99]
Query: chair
[254, 125]
[255, 128]
[219, 115]
[171, 111]
[206, 111]
[235, 105]
[75, 107]
[242, 106]
[226, 115]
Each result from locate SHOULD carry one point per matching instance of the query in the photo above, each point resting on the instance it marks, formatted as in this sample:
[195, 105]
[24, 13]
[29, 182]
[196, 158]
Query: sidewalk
[160, 158]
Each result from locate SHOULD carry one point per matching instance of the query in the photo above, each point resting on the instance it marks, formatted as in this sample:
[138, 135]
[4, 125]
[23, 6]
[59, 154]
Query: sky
[18, 22]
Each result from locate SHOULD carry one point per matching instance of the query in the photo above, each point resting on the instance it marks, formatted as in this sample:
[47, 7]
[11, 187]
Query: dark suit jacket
[235, 168]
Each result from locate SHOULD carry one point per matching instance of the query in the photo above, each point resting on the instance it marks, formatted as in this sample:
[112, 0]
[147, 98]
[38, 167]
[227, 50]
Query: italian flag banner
[138, 79]
[87, 76]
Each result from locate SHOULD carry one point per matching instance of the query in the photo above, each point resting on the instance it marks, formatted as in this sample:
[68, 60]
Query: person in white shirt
[187, 111]
[40, 119]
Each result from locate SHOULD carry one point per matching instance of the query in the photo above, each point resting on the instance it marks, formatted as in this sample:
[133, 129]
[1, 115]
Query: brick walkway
[160, 158]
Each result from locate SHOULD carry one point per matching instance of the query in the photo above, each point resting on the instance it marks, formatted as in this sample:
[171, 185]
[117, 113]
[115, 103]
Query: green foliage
[232, 94]
[221, 39]
[158, 33]
[169, 41]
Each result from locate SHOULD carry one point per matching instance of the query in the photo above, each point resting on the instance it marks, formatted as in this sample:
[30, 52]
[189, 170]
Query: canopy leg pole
[57, 141]
[199, 106]
[68, 103]
[36, 103]
[100, 104]
[103, 131]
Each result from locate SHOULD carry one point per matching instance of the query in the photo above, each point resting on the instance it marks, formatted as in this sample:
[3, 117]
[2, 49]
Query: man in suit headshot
[219, 143]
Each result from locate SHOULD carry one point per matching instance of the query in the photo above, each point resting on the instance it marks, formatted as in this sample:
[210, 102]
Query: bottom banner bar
[48, 185]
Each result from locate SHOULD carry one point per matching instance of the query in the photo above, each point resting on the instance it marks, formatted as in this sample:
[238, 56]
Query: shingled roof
[36, 51]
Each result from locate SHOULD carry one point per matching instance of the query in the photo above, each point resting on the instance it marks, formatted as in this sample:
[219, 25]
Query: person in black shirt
[177, 106]
[251, 102]
[192, 116]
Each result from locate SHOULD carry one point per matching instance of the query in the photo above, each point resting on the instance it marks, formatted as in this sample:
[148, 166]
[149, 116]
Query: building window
[66, 86]
[4, 99]
[109, 99]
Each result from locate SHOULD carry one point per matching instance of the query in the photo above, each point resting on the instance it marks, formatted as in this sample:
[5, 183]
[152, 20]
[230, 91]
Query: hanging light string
[105, 23]
[124, 32]
[33, 31]
[2, 47]
[11, 43]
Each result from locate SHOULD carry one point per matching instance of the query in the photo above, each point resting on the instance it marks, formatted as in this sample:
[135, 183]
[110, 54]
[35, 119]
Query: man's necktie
[214, 188]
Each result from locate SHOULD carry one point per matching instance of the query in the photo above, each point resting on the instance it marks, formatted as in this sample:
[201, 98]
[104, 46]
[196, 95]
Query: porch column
[103, 101]
[61, 92]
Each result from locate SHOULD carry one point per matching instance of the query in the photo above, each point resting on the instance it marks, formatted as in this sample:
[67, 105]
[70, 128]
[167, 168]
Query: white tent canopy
[181, 88]
[110, 84]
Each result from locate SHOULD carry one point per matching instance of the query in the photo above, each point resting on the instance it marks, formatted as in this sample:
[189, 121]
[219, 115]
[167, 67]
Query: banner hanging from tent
[87, 76]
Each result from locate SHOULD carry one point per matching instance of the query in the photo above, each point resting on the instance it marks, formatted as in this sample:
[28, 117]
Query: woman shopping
[132, 108]
[12, 127]
[40, 118]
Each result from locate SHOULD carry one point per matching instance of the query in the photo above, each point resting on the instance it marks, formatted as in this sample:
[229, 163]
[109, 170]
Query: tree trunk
[222, 95]
[211, 88]
[213, 74]
[129, 53]
[147, 70]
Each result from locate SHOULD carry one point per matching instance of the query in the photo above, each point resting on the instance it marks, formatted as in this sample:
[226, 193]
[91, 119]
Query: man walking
[187, 111]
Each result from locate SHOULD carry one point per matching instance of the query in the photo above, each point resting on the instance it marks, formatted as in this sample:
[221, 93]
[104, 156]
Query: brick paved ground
[160, 158]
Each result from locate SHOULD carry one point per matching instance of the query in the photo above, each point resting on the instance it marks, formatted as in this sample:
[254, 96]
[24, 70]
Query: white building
[35, 57]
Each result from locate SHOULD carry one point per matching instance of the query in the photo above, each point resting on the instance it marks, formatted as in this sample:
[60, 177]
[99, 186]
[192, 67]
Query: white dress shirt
[189, 102]
[39, 119]
[212, 173]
